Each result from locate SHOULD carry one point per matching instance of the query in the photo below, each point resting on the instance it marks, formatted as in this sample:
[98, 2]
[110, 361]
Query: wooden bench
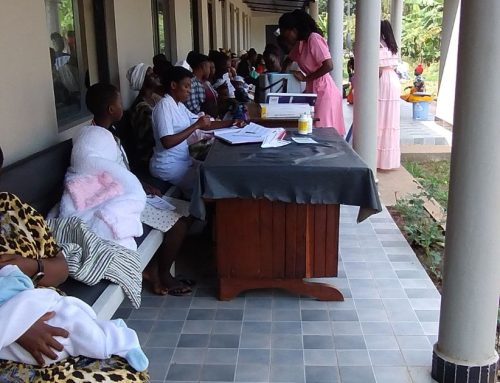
[38, 181]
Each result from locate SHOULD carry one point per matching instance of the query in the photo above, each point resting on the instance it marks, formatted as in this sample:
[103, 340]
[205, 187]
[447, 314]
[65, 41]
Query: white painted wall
[258, 24]
[182, 36]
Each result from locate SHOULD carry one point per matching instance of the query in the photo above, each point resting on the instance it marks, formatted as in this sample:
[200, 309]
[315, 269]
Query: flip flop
[187, 282]
[180, 291]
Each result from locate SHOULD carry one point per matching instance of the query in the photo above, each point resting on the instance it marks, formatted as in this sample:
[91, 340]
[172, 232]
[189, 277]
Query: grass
[433, 176]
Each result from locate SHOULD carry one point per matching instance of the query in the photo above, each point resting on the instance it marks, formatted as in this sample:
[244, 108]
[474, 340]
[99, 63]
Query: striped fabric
[91, 259]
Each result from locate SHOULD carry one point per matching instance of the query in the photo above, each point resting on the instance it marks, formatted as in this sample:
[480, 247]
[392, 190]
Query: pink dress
[310, 55]
[388, 146]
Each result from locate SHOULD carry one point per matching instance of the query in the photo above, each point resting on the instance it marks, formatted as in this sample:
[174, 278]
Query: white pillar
[336, 39]
[367, 63]
[450, 9]
[397, 19]
[218, 20]
[313, 9]
[52, 15]
[203, 27]
[471, 283]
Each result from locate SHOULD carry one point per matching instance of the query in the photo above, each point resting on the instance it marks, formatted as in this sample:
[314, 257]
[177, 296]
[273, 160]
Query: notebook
[251, 133]
[163, 217]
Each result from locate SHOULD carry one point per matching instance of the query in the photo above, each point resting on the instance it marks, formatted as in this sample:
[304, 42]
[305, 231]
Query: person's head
[104, 102]
[142, 77]
[222, 63]
[57, 41]
[161, 65]
[252, 56]
[272, 61]
[222, 90]
[296, 26]
[200, 64]
[212, 71]
[387, 35]
[178, 83]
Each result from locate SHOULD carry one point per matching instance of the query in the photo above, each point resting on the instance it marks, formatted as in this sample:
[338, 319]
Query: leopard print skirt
[72, 370]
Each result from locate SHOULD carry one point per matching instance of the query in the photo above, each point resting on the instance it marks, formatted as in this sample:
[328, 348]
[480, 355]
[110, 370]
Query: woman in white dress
[388, 132]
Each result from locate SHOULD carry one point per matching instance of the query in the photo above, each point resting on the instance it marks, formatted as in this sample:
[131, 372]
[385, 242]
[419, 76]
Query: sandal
[187, 282]
[180, 291]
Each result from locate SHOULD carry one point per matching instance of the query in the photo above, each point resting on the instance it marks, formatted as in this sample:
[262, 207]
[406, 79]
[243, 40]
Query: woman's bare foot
[176, 287]
[153, 280]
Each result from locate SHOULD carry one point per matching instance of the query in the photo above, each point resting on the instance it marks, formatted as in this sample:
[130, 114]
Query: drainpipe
[366, 68]
[465, 351]
[336, 38]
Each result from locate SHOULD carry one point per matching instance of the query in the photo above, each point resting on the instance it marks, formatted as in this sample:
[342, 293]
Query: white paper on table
[275, 139]
[304, 140]
[159, 203]
[252, 133]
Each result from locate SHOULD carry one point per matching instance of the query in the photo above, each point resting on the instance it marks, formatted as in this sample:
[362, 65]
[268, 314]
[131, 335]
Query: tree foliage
[66, 16]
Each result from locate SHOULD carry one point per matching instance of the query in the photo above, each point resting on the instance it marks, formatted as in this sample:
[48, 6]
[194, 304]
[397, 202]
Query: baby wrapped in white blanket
[21, 305]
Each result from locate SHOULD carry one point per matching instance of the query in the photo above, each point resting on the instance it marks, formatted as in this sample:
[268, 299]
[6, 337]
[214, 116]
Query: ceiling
[275, 6]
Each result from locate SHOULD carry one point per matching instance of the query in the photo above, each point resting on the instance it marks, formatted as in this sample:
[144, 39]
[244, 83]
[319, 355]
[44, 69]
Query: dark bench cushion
[38, 179]
[86, 293]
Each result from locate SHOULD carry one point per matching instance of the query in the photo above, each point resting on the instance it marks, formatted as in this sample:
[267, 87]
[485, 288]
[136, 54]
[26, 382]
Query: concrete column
[52, 15]
[218, 20]
[204, 35]
[471, 285]
[397, 19]
[450, 9]
[336, 38]
[367, 63]
[313, 10]
[226, 31]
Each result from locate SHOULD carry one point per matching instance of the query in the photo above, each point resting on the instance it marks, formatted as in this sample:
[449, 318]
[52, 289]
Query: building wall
[182, 36]
[258, 28]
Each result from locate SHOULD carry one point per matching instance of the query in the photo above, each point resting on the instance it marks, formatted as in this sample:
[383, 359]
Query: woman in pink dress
[388, 147]
[310, 51]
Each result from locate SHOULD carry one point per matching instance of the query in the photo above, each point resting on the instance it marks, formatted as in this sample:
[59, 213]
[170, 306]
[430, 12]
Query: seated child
[21, 304]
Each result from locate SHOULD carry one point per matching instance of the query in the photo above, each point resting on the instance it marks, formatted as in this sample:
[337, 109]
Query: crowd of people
[176, 107]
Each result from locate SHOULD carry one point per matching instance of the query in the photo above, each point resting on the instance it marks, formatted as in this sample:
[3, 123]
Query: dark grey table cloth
[328, 172]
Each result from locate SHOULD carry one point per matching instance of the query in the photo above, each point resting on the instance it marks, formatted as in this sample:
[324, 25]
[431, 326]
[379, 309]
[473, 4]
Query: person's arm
[326, 67]
[170, 141]
[55, 268]
[40, 340]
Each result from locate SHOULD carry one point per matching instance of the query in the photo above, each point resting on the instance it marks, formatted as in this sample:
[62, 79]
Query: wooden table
[277, 212]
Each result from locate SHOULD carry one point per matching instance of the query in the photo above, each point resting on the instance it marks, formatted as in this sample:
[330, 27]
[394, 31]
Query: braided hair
[301, 21]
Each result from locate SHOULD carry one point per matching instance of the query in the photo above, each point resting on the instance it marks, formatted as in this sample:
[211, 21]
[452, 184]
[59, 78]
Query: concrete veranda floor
[382, 333]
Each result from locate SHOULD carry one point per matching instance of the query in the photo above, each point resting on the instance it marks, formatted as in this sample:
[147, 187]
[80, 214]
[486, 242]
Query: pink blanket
[91, 190]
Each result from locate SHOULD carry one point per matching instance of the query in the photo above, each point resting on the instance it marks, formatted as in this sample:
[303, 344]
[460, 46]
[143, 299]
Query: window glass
[68, 71]
[161, 31]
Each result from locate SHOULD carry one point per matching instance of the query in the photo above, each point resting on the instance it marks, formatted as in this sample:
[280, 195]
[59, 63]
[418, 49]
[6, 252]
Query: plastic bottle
[303, 124]
[309, 124]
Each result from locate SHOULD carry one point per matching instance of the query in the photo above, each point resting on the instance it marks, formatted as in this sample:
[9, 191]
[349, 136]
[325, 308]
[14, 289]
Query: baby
[21, 305]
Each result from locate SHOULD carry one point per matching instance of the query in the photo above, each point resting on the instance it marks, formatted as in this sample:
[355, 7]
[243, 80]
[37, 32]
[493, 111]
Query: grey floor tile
[289, 374]
[372, 315]
[287, 357]
[229, 314]
[167, 313]
[411, 342]
[353, 358]
[430, 328]
[184, 372]
[252, 373]
[227, 327]
[377, 328]
[235, 303]
[407, 328]
[346, 304]
[421, 375]
[157, 371]
[349, 342]
[218, 373]
[140, 325]
[320, 357]
[412, 274]
[176, 303]
[254, 356]
[256, 327]
[249, 340]
[343, 315]
[163, 340]
[286, 341]
[427, 315]
[189, 355]
[159, 355]
[287, 328]
[416, 283]
[311, 303]
[152, 302]
[281, 315]
[316, 328]
[381, 342]
[369, 304]
[221, 356]
[346, 328]
[122, 313]
[258, 314]
[322, 374]
[193, 340]
[418, 358]
[260, 303]
[318, 342]
[173, 327]
[392, 293]
[204, 303]
[392, 375]
[198, 327]
[224, 341]
[425, 303]
[201, 314]
[358, 374]
[314, 315]
[387, 358]
[145, 313]
[286, 304]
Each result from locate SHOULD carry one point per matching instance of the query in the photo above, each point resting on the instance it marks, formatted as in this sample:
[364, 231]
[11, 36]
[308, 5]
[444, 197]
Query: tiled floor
[383, 332]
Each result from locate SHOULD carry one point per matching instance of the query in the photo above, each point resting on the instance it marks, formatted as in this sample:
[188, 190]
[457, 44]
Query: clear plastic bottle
[303, 124]
[309, 124]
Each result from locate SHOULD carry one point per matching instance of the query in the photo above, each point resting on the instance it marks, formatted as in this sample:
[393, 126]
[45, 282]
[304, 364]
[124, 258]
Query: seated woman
[173, 124]
[26, 241]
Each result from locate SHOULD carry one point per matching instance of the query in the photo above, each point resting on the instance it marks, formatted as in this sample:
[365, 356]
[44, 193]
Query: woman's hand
[150, 189]
[203, 123]
[299, 75]
[239, 123]
[28, 266]
[39, 339]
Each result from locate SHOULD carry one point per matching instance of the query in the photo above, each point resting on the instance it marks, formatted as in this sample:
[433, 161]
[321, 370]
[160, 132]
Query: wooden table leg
[264, 244]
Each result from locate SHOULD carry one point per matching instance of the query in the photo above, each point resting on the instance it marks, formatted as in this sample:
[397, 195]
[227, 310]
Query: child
[21, 304]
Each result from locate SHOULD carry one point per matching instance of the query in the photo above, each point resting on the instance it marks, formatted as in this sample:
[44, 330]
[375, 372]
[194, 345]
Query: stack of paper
[252, 133]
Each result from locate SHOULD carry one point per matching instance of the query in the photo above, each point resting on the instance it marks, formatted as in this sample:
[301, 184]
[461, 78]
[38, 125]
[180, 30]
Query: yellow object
[263, 111]
[303, 124]
[411, 97]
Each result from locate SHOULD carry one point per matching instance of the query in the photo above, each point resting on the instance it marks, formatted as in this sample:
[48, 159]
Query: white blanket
[117, 219]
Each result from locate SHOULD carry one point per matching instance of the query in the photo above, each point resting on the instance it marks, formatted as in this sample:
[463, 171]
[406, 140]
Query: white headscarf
[136, 76]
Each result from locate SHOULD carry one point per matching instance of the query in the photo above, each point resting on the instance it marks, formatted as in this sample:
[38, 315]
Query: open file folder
[252, 133]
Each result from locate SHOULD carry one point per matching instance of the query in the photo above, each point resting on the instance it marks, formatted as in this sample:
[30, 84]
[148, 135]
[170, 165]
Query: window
[69, 60]
[161, 27]
[211, 25]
